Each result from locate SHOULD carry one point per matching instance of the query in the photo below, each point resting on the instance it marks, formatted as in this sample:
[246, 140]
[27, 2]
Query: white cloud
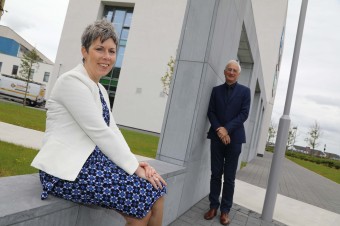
[39, 22]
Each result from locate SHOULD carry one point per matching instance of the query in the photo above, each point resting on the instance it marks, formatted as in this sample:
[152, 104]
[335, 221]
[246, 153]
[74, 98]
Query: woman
[84, 157]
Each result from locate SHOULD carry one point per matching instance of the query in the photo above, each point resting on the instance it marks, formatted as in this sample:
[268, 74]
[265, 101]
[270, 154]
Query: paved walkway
[304, 198]
[297, 183]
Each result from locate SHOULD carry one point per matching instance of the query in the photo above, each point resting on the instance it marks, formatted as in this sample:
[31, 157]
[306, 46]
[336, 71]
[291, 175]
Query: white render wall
[270, 29]
[153, 39]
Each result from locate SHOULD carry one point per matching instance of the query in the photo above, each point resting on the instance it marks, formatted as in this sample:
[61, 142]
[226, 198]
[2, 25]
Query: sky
[39, 22]
[316, 94]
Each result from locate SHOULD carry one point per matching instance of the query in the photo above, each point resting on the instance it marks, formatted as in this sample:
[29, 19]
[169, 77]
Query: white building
[12, 48]
[149, 33]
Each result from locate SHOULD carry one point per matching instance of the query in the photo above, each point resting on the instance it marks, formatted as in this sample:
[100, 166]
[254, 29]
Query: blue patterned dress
[101, 182]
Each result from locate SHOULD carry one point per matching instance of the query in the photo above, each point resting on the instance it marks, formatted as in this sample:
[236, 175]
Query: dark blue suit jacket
[230, 114]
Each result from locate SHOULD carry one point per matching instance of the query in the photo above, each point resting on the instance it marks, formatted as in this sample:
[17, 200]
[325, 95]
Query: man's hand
[222, 133]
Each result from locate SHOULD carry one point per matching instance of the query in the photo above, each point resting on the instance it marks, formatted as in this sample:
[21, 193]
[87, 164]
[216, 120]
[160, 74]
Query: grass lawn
[140, 143]
[15, 160]
[22, 116]
[330, 173]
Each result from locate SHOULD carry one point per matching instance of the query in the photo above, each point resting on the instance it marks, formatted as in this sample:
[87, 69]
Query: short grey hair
[234, 62]
[102, 29]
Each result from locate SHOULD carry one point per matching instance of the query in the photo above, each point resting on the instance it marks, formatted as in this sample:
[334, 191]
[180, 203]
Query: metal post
[282, 134]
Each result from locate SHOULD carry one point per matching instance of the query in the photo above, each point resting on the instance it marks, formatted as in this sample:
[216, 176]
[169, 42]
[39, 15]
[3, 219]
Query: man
[228, 110]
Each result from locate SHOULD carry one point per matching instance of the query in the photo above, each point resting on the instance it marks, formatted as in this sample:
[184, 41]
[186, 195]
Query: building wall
[270, 29]
[9, 61]
[153, 39]
[12, 56]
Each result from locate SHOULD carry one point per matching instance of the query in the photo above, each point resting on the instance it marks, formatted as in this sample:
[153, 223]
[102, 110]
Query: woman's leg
[131, 221]
[157, 213]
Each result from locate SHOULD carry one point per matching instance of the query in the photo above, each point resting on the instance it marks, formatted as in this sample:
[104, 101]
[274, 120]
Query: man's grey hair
[234, 62]
[102, 29]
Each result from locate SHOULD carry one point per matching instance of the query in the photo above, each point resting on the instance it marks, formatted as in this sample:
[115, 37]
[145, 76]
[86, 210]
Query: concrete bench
[20, 203]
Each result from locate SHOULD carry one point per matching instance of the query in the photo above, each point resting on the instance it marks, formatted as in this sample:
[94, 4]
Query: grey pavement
[304, 198]
[297, 183]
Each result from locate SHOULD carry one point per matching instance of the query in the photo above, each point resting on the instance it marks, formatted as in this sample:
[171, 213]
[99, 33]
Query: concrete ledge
[20, 202]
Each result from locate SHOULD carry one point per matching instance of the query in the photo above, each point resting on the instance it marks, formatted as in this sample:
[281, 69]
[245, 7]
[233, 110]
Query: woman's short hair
[100, 28]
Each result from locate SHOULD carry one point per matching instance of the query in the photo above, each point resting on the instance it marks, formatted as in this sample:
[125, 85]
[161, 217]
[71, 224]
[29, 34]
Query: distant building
[314, 152]
[332, 156]
[12, 49]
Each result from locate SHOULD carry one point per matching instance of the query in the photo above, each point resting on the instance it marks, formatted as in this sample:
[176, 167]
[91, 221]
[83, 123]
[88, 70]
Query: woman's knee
[138, 222]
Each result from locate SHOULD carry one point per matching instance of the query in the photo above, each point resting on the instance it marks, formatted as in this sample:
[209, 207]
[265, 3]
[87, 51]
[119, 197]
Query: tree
[28, 61]
[292, 136]
[271, 132]
[166, 79]
[313, 135]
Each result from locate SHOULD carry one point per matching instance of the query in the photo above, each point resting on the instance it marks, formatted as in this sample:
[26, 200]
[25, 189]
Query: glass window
[125, 34]
[46, 76]
[121, 18]
[109, 16]
[0, 66]
[118, 21]
[15, 70]
[120, 56]
[32, 74]
[115, 72]
[128, 18]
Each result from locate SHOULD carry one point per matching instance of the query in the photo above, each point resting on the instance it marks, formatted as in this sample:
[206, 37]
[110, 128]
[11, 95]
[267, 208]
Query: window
[15, 70]
[121, 19]
[46, 76]
[32, 74]
[0, 66]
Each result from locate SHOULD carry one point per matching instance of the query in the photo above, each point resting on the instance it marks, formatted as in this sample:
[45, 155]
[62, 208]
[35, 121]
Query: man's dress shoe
[224, 219]
[210, 214]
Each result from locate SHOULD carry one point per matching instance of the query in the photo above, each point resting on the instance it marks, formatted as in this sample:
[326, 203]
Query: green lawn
[22, 116]
[330, 173]
[140, 143]
[15, 160]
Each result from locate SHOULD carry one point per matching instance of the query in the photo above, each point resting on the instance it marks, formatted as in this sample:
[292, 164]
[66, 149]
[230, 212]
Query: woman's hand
[147, 172]
[157, 181]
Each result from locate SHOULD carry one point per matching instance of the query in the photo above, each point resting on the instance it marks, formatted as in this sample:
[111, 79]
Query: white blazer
[75, 125]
